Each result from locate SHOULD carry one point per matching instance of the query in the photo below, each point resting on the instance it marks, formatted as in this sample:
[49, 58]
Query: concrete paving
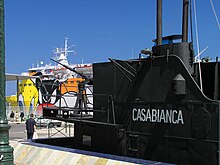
[30, 153]
[26, 153]
[18, 131]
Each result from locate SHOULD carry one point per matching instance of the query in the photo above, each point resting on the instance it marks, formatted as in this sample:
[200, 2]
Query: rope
[197, 44]
[197, 37]
[216, 17]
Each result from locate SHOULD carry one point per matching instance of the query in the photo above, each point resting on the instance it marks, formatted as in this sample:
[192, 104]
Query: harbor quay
[28, 152]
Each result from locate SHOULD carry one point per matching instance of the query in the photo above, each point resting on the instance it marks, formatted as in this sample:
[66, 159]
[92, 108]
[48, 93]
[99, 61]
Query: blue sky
[99, 28]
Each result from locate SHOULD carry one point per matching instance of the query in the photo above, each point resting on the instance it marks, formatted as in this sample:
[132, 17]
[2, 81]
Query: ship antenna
[159, 22]
[62, 53]
[65, 47]
[191, 20]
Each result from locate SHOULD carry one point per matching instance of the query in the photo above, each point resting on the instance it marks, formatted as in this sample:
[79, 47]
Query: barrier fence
[17, 110]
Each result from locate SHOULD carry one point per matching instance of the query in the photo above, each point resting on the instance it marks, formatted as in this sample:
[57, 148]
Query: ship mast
[63, 53]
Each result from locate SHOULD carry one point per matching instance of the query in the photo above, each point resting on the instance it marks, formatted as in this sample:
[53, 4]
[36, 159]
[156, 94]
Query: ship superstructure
[58, 71]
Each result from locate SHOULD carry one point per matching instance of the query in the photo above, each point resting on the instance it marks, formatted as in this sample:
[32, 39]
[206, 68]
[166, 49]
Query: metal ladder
[133, 144]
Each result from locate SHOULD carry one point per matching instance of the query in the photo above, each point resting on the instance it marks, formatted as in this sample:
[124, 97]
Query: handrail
[81, 110]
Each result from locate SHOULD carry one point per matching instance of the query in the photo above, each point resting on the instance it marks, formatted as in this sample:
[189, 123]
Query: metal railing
[82, 107]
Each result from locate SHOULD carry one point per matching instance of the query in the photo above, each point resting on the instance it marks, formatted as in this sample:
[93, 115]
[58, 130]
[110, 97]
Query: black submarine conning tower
[151, 108]
[184, 49]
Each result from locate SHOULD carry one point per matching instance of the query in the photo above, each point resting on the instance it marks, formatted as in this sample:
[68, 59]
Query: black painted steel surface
[159, 124]
[152, 108]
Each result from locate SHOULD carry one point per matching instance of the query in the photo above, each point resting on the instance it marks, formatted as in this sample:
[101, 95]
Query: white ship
[54, 80]
[58, 71]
